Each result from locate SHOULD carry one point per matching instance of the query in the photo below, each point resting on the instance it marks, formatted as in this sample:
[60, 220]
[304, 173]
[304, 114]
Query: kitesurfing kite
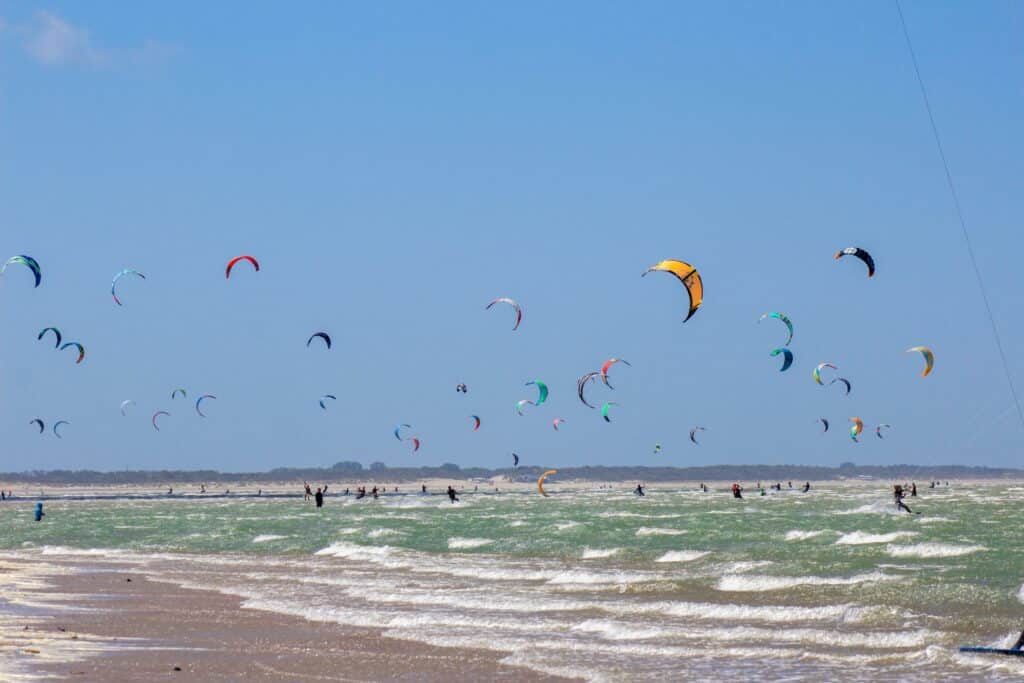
[174, 394]
[513, 304]
[784, 319]
[581, 383]
[824, 423]
[929, 358]
[155, 416]
[787, 358]
[39, 422]
[522, 404]
[200, 400]
[325, 397]
[476, 422]
[862, 255]
[844, 381]
[857, 428]
[557, 421]
[693, 434]
[56, 333]
[124, 407]
[461, 388]
[540, 482]
[232, 262]
[688, 276]
[515, 460]
[398, 429]
[113, 284]
[27, 261]
[878, 430]
[604, 410]
[818, 369]
[608, 364]
[323, 335]
[81, 350]
[415, 444]
[56, 424]
[542, 388]
[657, 448]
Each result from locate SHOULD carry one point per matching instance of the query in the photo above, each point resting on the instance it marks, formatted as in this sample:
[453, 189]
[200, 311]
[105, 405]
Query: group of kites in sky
[685, 273]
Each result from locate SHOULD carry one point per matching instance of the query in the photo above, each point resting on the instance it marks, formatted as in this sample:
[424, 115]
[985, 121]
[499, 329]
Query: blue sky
[395, 167]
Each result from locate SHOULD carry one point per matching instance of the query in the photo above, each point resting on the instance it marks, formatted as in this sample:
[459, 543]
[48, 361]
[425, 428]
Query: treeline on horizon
[355, 471]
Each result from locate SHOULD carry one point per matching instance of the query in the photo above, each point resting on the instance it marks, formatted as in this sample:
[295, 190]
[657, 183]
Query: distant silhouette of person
[451, 495]
[319, 498]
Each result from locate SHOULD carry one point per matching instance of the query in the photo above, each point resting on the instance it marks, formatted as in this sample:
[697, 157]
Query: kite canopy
[39, 422]
[200, 400]
[688, 276]
[557, 421]
[857, 428]
[844, 381]
[415, 444]
[325, 397]
[81, 350]
[862, 255]
[515, 460]
[607, 365]
[155, 416]
[27, 261]
[56, 333]
[124, 406]
[56, 424]
[581, 384]
[878, 430]
[784, 319]
[929, 358]
[824, 422]
[787, 358]
[522, 404]
[540, 482]
[476, 422]
[514, 304]
[542, 388]
[232, 262]
[399, 429]
[693, 434]
[175, 393]
[323, 335]
[605, 408]
[818, 369]
[113, 284]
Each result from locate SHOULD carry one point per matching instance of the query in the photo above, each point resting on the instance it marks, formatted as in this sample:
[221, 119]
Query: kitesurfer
[423, 488]
[737, 491]
[451, 495]
[807, 486]
[913, 489]
[319, 498]
[374, 492]
[639, 490]
[898, 493]
[308, 493]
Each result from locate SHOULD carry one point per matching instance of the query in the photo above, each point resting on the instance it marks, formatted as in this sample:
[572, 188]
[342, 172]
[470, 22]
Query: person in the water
[319, 498]
[737, 491]
[451, 495]
[639, 490]
[423, 488]
[898, 493]
[913, 489]
[807, 486]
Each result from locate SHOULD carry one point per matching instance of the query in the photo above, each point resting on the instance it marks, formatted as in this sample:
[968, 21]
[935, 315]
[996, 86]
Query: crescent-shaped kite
[522, 404]
[124, 407]
[325, 397]
[155, 416]
[857, 428]
[607, 365]
[540, 482]
[929, 358]
[232, 262]
[605, 408]
[323, 335]
[514, 304]
[113, 284]
[56, 333]
[27, 261]
[42, 427]
[787, 358]
[581, 383]
[399, 428]
[415, 444]
[693, 434]
[844, 381]
[515, 460]
[824, 422]
[81, 350]
[200, 400]
[784, 319]
[557, 421]
[56, 424]
[818, 369]
[688, 276]
[476, 422]
[862, 255]
[174, 394]
[542, 388]
[878, 430]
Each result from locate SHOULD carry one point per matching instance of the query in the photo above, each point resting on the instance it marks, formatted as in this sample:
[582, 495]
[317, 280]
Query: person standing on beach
[308, 493]
[319, 498]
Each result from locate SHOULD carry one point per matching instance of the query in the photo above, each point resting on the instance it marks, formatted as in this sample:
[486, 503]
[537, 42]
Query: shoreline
[123, 626]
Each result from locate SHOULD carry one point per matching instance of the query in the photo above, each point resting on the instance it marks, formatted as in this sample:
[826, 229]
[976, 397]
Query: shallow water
[828, 585]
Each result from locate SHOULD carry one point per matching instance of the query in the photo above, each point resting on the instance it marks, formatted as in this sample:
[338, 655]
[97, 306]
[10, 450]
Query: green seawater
[832, 584]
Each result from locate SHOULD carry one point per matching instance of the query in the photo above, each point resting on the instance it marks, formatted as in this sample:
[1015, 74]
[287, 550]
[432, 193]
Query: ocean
[600, 584]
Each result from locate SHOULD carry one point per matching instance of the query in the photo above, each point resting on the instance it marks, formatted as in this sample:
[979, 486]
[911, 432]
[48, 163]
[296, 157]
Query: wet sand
[140, 630]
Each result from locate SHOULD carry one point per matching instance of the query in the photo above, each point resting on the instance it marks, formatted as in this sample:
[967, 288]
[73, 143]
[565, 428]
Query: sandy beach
[127, 628]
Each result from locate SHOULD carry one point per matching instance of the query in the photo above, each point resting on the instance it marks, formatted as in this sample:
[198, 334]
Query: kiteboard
[992, 651]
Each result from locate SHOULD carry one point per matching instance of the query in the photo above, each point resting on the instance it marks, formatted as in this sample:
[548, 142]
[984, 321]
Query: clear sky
[395, 166]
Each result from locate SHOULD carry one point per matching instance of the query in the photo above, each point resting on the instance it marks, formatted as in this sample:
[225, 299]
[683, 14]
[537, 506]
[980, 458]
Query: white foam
[798, 535]
[562, 526]
[932, 550]
[264, 538]
[456, 543]
[864, 538]
[757, 584]
[585, 578]
[658, 531]
[378, 533]
[682, 556]
[599, 553]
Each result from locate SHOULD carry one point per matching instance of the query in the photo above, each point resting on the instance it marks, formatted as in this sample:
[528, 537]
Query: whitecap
[682, 556]
[658, 531]
[598, 553]
[264, 538]
[932, 550]
[456, 543]
[864, 538]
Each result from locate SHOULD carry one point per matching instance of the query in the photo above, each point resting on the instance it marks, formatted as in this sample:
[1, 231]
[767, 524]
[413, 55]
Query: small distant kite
[155, 416]
[124, 407]
[522, 404]
[581, 383]
[557, 421]
[515, 460]
[200, 400]
[113, 284]
[476, 422]
[818, 369]
[325, 397]
[542, 388]
[844, 381]
[607, 365]
[657, 448]
[174, 394]
[514, 304]
[862, 255]
[322, 335]
[878, 430]
[605, 408]
[415, 444]
[784, 319]
[929, 358]
[58, 424]
[81, 350]
[693, 434]
[688, 276]
[56, 334]
[787, 357]
[461, 388]
[824, 423]
[232, 262]
[399, 429]
[26, 261]
[42, 427]
[857, 428]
